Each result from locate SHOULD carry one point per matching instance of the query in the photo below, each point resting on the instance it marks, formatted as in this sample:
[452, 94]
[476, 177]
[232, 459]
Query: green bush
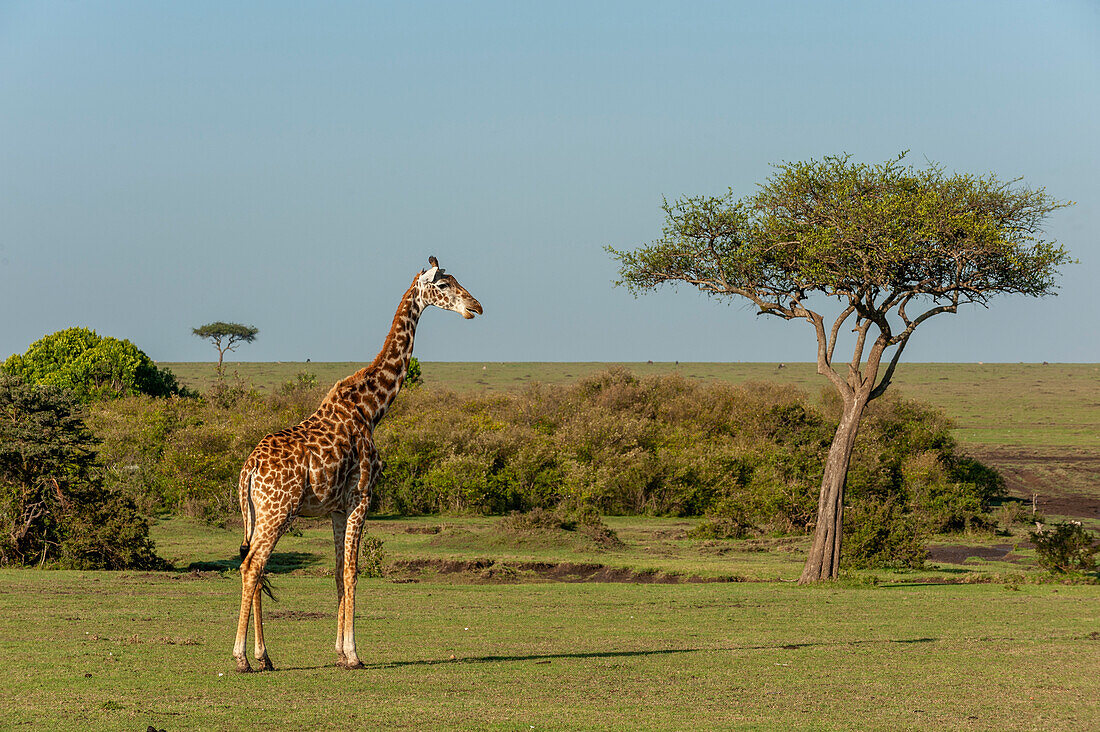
[1065, 547]
[54, 505]
[882, 534]
[304, 381]
[720, 528]
[414, 377]
[749, 455]
[372, 559]
[583, 522]
[667, 446]
[185, 455]
[91, 366]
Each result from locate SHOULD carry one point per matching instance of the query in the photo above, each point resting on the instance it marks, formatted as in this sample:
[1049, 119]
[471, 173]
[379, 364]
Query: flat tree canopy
[893, 245]
[226, 337]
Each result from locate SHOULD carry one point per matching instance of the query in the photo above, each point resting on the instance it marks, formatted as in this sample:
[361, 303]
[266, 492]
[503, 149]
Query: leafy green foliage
[372, 558]
[232, 333]
[583, 521]
[304, 381]
[660, 445]
[1065, 547]
[53, 502]
[414, 377]
[842, 228]
[184, 455]
[91, 366]
[720, 528]
[881, 533]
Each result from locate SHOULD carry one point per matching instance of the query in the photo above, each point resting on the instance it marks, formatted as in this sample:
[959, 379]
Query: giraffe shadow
[544, 658]
[279, 563]
[548, 657]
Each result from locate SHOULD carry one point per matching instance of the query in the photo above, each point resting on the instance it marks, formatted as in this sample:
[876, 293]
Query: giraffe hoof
[243, 667]
[266, 664]
[352, 664]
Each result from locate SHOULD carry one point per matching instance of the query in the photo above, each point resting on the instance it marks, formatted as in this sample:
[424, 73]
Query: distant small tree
[91, 366]
[226, 337]
[893, 246]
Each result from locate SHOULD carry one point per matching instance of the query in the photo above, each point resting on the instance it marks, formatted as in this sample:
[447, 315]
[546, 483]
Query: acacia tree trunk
[221, 357]
[824, 559]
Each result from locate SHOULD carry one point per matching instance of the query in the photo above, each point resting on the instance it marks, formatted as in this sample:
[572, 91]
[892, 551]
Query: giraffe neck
[371, 390]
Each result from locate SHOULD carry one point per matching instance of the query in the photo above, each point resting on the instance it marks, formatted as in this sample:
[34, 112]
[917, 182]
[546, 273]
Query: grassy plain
[474, 629]
[484, 650]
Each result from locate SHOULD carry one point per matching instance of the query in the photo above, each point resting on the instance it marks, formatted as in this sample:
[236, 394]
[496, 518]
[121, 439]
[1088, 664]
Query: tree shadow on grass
[547, 657]
[279, 563]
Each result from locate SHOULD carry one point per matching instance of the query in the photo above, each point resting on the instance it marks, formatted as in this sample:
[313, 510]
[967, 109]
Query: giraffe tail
[250, 525]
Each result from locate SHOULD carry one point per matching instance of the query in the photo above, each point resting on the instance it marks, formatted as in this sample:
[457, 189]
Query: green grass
[658, 546]
[124, 650]
[652, 545]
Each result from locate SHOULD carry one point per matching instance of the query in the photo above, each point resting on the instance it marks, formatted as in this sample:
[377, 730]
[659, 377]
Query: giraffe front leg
[351, 568]
[339, 526]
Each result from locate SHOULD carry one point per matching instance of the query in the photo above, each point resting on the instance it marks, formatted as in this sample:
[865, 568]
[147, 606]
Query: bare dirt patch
[1062, 481]
[962, 553]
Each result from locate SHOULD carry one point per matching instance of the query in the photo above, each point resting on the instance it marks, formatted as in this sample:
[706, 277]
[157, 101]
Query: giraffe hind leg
[252, 569]
[248, 591]
[261, 649]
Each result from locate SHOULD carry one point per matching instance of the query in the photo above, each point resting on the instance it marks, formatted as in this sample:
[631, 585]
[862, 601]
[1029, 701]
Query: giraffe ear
[429, 276]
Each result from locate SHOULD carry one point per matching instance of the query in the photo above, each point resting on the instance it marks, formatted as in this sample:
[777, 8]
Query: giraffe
[327, 465]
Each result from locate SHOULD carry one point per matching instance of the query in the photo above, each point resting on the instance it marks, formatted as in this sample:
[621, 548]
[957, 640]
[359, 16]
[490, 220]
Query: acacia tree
[891, 245]
[226, 337]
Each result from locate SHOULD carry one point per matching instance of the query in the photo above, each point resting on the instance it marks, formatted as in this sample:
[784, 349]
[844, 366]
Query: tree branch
[911, 326]
[880, 389]
[824, 367]
[836, 329]
[857, 352]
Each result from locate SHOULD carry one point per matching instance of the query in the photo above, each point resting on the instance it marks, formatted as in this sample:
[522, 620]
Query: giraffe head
[435, 287]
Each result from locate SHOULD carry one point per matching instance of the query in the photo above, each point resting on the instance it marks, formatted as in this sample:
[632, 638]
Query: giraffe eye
[444, 285]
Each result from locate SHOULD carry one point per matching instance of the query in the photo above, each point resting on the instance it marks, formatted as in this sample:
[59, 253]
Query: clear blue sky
[292, 165]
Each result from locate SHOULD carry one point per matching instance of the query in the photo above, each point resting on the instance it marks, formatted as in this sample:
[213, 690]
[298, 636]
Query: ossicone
[433, 274]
